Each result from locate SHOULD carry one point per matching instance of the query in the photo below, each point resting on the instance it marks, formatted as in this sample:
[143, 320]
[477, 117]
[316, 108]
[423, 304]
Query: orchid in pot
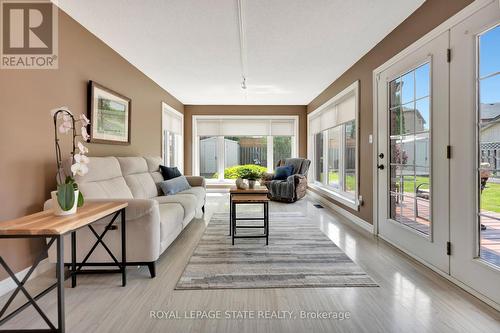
[67, 197]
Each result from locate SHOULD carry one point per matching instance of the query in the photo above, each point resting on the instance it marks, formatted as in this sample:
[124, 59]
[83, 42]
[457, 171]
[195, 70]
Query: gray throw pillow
[174, 185]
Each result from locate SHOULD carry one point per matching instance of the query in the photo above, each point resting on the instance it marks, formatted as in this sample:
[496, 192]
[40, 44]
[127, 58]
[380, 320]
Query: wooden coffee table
[255, 195]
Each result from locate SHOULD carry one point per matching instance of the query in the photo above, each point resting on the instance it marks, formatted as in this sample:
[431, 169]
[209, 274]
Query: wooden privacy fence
[253, 155]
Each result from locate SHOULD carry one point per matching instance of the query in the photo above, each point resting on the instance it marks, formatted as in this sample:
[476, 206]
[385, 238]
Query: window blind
[172, 123]
[245, 127]
[335, 114]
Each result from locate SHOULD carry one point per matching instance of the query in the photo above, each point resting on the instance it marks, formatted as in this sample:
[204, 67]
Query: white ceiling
[295, 48]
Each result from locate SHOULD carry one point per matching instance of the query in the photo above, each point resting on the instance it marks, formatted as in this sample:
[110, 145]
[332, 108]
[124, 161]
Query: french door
[475, 141]
[438, 117]
[413, 128]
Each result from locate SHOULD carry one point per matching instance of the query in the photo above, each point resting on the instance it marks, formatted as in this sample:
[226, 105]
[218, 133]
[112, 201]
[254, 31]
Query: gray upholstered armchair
[294, 187]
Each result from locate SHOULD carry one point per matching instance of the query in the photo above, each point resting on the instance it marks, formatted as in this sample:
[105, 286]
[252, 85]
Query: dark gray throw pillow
[174, 185]
[169, 172]
[283, 172]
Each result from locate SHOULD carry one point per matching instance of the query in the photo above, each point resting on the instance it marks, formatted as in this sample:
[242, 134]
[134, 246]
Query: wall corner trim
[351, 217]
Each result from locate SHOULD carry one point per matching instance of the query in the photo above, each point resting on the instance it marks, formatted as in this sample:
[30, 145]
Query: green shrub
[248, 171]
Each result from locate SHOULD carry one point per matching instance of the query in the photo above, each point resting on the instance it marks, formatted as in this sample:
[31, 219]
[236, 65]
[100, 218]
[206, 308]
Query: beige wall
[27, 172]
[254, 110]
[424, 19]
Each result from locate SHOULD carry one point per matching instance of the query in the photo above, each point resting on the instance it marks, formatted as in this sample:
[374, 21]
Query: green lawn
[490, 198]
[408, 184]
[350, 180]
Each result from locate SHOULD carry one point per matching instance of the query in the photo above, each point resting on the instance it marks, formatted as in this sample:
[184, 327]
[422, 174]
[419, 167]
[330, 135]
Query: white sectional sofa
[153, 220]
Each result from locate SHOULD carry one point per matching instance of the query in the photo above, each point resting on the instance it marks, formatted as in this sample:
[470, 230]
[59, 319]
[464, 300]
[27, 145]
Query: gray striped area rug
[299, 255]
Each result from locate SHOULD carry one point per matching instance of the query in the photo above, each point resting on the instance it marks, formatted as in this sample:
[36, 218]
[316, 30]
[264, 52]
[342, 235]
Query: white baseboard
[356, 220]
[450, 278]
[8, 284]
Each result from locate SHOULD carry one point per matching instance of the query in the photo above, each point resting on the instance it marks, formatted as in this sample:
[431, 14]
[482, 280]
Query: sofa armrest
[296, 179]
[266, 176]
[300, 183]
[266, 179]
[196, 181]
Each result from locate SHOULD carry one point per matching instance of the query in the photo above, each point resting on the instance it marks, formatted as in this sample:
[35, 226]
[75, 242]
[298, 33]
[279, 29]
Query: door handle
[380, 167]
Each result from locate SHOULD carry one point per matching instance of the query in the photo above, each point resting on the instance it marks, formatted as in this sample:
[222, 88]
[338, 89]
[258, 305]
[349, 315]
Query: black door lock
[381, 155]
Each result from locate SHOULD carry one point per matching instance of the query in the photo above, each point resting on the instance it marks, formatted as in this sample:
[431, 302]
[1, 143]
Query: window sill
[220, 181]
[353, 204]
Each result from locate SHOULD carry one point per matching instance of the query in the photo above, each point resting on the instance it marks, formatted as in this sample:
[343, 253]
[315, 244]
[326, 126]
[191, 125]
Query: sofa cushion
[139, 180]
[100, 168]
[104, 179]
[115, 188]
[141, 185]
[132, 165]
[174, 185]
[188, 202]
[154, 170]
[153, 163]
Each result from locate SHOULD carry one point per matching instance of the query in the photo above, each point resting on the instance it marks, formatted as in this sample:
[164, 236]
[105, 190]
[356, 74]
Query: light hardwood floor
[411, 298]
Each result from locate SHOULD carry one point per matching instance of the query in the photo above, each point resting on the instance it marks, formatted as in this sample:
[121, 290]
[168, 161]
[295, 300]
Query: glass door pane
[350, 158]
[171, 149]
[244, 150]
[208, 157]
[282, 148]
[334, 151]
[489, 146]
[319, 157]
[409, 147]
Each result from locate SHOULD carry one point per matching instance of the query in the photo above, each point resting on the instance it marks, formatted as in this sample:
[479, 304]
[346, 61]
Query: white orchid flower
[65, 127]
[82, 148]
[83, 118]
[64, 108]
[79, 169]
[82, 159]
[85, 135]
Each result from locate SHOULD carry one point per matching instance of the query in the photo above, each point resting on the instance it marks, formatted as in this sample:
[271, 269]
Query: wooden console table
[46, 225]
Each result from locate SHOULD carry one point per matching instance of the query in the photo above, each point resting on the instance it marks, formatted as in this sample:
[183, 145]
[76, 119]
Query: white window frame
[220, 143]
[329, 191]
[167, 109]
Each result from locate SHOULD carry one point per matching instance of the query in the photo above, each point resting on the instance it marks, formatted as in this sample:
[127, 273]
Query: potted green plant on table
[67, 197]
[251, 174]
